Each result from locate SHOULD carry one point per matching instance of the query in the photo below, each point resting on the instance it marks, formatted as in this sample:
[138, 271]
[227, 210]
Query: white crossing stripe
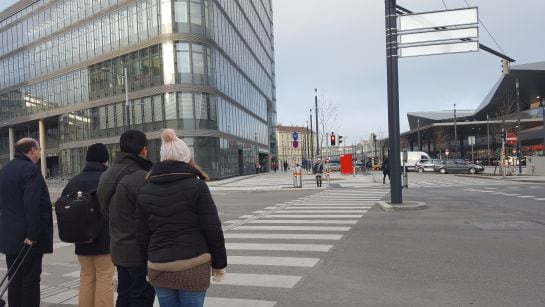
[329, 207]
[61, 245]
[308, 228]
[284, 236]
[260, 280]
[321, 211]
[279, 247]
[273, 261]
[234, 302]
[525, 196]
[276, 221]
[539, 198]
[320, 216]
[72, 274]
[362, 204]
[60, 297]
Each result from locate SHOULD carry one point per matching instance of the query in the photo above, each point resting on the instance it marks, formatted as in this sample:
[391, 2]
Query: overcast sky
[339, 47]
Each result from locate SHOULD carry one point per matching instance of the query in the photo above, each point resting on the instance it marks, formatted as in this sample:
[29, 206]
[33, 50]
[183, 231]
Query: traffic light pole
[317, 130]
[393, 102]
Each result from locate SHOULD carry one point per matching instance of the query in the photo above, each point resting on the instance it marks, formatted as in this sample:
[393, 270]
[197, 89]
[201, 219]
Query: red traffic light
[333, 139]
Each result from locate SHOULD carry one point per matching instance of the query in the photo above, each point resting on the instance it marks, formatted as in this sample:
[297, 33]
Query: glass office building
[202, 67]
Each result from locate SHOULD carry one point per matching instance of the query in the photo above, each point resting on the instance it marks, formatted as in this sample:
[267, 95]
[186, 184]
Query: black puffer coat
[176, 217]
[86, 181]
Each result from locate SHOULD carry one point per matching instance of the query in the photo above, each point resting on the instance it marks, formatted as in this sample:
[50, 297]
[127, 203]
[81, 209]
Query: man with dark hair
[25, 218]
[116, 193]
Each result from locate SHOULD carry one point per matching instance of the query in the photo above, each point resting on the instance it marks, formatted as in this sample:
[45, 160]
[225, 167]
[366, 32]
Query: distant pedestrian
[285, 166]
[318, 171]
[116, 193]
[385, 170]
[257, 167]
[25, 218]
[97, 269]
[178, 227]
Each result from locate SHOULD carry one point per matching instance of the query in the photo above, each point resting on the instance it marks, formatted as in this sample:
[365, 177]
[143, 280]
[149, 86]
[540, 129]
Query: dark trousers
[24, 289]
[133, 290]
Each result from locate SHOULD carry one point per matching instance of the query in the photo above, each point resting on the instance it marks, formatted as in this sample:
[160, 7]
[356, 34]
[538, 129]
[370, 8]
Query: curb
[406, 206]
[509, 178]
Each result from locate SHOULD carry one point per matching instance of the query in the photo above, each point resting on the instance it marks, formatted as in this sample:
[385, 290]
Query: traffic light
[505, 66]
[340, 139]
[332, 138]
[502, 134]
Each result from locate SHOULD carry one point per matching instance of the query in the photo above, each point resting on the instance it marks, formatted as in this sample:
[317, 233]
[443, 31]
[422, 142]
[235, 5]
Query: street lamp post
[418, 124]
[518, 126]
[317, 130]
[311, 138]
[124, 76]
[455, 134]
[488, 138]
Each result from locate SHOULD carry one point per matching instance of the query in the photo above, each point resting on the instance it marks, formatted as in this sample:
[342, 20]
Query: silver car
[425, 165]
[457, 166]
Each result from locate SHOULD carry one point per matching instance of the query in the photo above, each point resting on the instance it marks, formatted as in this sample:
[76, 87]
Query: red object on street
[346, 164]
[511, 139]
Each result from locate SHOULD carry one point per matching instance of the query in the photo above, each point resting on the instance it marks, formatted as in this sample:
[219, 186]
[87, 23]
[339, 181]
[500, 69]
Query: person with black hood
[26, 219]
[116, 193]
[385, 170]
[178, 227]
[97, 269]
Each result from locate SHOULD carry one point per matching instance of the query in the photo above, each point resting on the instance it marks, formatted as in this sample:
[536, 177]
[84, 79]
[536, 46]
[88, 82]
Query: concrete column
[11, 143]
[43, 161]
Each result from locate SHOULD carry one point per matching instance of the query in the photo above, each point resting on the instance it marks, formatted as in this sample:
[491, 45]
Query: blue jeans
[179, 298]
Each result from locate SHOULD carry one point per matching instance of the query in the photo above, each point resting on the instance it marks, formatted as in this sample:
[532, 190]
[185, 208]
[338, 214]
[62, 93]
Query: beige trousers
[96, 287]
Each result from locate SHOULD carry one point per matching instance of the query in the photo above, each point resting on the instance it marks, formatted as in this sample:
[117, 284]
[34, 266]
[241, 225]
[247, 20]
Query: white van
[412, 158]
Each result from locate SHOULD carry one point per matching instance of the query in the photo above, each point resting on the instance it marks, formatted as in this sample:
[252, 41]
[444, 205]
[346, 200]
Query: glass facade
[202, 67]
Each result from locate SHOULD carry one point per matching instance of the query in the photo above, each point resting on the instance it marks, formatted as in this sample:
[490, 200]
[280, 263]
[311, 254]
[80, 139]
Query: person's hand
[28, 242]
[218, 274]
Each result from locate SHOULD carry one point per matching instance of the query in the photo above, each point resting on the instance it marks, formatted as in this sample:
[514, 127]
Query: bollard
[297, 177]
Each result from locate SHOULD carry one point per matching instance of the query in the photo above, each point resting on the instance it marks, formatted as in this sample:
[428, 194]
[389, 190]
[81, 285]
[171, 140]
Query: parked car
[425, 165]
[457, 166]
[333, 166]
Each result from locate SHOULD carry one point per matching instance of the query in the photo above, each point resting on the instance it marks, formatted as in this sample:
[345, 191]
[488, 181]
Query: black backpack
[78, 217]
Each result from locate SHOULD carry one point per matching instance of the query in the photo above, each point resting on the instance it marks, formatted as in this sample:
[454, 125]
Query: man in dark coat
[116, 193]
[25, 218]
[385, 170]
[97, 270]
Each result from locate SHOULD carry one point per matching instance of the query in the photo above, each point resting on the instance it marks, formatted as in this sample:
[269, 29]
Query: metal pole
[317, 130]
[488, 138]
[393, 101]
[455, 134]
[419, 144]
[311, 138]
[518, 127]
[543, 116]
[127, 102]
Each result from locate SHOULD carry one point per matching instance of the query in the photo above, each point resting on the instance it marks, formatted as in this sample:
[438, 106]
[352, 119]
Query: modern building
[77, 72]
[515, 103]
[294, 152]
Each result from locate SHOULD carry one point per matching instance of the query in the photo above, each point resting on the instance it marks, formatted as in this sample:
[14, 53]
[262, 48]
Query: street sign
[471, 140]
[446, 152]
[511, 139]
[440, 32]
[295, 135]
[438, 19]
[295, 144]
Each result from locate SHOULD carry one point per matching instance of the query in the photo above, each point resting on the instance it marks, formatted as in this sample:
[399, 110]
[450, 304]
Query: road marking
[276, 221]
[308, 228]
[328, 207]
[279, 247]
[260, 280]
[72, 274]
[514, 194]
[273, 261]
[234, 302]
[365, 204]
[539, 198]
[320, 216]
[525, 196]
[61, 245]
[60, 297]
[321, 211]
[284, 236]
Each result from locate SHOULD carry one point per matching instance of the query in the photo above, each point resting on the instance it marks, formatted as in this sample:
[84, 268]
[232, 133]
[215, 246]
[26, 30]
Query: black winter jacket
[25, 207]
[117, 196]
[176, 216]
[87, 181]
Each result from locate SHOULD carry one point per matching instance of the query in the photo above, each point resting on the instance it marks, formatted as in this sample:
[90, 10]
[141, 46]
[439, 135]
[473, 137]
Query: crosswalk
[269, 249]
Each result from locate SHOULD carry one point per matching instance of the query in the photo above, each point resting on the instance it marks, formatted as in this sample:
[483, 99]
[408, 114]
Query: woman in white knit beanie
[178, 227]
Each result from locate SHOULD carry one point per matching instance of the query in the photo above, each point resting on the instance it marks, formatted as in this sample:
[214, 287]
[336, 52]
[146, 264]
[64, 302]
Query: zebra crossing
[271, 248]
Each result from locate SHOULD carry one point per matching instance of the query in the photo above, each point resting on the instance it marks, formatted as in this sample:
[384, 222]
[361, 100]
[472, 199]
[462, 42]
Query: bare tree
[327, 119]
[442, 137]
